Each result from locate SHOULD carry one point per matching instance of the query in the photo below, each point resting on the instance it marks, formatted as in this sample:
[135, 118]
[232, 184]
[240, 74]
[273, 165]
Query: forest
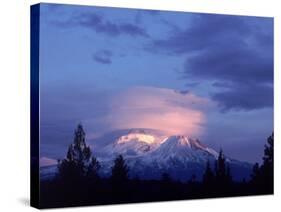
[78, 182]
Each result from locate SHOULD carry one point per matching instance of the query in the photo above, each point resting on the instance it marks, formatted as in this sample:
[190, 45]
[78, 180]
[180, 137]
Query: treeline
[78, 181]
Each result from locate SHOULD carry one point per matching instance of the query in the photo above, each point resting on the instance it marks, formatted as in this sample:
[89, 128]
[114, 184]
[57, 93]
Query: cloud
[241, 65]
[225, 50]
[158, 108]
[206, 30]
[248, 97]
[103, 56]
[44, 161]
[237, 132]
[99, 24]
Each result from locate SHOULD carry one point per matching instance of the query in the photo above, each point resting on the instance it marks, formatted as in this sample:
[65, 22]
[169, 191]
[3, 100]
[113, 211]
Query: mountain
[150, 153]
[134, 143]
[184, 149]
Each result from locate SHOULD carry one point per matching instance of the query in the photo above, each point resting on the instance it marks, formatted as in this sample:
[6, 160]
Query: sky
[206, 76]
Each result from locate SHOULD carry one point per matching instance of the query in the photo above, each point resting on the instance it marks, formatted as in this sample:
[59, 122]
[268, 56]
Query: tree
[223, 177]
[79, 160]
[208, 176]
[93, 169]
[255, 173]
[256, 178]
[79, 151]
[119, 171]
[220, 168]
[262, 176]
[267, 166]
[119, 179]
[266, 169]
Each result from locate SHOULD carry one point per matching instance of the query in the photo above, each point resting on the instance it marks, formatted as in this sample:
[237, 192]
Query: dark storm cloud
[205, 31]
[230, 63]
[103, 56]
[99, 24]
[246, 97]
[228, 50]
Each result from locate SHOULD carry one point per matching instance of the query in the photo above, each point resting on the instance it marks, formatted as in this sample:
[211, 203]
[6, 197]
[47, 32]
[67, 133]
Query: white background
[14, 103]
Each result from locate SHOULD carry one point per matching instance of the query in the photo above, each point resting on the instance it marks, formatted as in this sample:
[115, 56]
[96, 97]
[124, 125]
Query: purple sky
[206, 76]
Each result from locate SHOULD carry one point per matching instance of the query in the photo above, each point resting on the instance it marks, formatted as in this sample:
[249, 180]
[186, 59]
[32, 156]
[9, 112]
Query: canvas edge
[34, 105]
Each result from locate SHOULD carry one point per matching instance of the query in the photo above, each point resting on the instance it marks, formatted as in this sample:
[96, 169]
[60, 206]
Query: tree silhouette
[119, 171]
[208, 177]
[223, 179]
[267, 166]
[220, 168]
[78, 181]
[262, 176]
[256, 177]
[79, 161]
[93, 169]
[119, 179]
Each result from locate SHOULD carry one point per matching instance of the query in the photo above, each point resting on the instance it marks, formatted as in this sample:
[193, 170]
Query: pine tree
[79, 158]
[255, 172]
[119, 171]
[266, 169]
[208, 177]
[262, 176]
[268, 156]
[93, 169]
[223, 176]
[79, 150]
[220, 168]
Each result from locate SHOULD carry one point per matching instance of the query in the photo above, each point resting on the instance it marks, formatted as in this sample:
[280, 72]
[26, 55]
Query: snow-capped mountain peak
[181, 140]
[134, 143]
[137, 142]
[184, 142]
[137, 137]
[184, 150]
[149, 153]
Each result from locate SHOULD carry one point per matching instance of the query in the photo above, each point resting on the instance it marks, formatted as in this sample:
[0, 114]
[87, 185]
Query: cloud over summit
[158, 108]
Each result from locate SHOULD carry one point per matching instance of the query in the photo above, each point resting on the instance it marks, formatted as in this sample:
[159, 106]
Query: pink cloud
[44, 161]
[158, 108]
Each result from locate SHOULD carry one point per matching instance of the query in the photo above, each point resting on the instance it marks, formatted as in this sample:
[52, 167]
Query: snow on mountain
[148, 147]
[184, 148]
[135, 143]
[149, 156]
[150, 153]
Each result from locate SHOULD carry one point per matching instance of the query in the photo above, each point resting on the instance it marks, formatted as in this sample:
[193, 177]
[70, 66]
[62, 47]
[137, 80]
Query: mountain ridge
[149, 154]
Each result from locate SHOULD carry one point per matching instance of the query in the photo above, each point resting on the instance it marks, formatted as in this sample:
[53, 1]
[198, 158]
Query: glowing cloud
[44, 161]
[158, 108]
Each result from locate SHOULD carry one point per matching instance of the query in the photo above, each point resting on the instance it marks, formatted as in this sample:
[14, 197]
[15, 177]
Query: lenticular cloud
[158, 108]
